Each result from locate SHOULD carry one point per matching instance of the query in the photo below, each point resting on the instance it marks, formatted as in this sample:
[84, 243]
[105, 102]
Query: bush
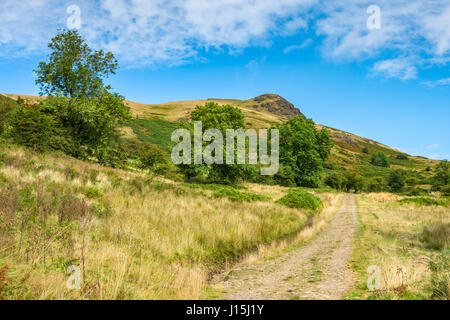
[411, 181]
[238, 196]
[285, 177]
[417, 192]
[31, 128]
[402, 156]
[352, 181]
[396, 181]
[335, 181]
[92, 192]
[379, 159]
[375, 184]
[436, 236]
[301, 200]
[445, 190]
[424, 201]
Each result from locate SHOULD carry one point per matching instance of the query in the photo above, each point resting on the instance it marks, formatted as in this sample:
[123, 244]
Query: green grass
[301, 200]
[425, 201]
[155, 131]
[230, 192]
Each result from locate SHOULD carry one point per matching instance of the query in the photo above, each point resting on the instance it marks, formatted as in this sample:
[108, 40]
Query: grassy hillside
[133, 237]
[155, 122]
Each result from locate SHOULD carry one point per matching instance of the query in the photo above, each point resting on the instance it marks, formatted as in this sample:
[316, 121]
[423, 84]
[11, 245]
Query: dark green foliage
[424, 201]
[396, 181]
[301, 200]
[417, 192]
[445, 190]
[215, 116]
[402, 156]
[380, 159]
[7, 106]
[149, 156]
[238, 196]
[375, 184]
[442, 176]
[304, 149]
[80, 117]
[352, 182]
[412, 181]
[335, 180]
[88, 125]
[73, 69]
[31, 128]
[154, 131]
[285, 176]
[365, 150]
[230, 192]
[436, 236]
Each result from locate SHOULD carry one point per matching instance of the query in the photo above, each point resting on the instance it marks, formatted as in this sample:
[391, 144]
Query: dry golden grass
[389, 238]
[160, 240]
[332, 202]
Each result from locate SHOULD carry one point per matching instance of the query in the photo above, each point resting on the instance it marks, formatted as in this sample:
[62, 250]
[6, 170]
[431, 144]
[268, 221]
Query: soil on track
[318, 270]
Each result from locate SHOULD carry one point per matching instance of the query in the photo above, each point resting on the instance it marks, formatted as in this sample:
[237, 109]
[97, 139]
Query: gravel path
[318, 270]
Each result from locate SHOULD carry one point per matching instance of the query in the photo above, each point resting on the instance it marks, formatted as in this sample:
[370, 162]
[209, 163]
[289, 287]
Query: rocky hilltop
[275, 104]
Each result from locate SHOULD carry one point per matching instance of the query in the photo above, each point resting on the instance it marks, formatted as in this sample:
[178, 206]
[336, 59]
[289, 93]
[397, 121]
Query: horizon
[389, 84]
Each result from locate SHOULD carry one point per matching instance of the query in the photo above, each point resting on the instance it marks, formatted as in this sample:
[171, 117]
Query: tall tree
[79, 100]
[304, 149]
[73, 69]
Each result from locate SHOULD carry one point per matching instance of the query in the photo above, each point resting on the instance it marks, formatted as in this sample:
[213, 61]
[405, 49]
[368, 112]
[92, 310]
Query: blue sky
[391, 83]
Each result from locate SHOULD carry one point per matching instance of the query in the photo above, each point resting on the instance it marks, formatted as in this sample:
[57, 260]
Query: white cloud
[413, 34]
[303, 45]
[433, 146]
[253, 64]
[441, 82]
[401, 68]
[156, 31]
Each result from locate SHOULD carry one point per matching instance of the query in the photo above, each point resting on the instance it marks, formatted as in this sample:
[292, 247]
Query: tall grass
[133, 237]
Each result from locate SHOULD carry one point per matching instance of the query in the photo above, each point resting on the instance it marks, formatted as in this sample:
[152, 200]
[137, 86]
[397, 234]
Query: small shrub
[424, 201]
[238, 196]
[92, 192]
[445, 190]
[102, 211]
[402, 156]
[301, 200]
[436, 236]
[3, 179]
[417, 192]
[379, 159]
[395, 181]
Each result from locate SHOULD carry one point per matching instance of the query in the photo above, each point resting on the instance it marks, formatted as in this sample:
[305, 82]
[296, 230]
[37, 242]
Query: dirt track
[318, 270]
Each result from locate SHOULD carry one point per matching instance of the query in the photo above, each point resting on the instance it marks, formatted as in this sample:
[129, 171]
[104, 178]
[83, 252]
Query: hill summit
[275, 104]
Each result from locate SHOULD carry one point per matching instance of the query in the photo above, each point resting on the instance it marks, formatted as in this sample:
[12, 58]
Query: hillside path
[317, 270]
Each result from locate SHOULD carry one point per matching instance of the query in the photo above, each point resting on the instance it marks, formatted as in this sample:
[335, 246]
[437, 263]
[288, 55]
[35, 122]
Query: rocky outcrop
[275, 104]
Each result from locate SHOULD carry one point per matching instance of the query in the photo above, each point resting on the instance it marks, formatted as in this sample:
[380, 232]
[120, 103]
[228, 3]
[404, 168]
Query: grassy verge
[391, 237]
[132, 237]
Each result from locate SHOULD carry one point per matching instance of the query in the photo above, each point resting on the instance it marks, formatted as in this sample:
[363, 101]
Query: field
[413, 263]
[133, 236]
[138, 235]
